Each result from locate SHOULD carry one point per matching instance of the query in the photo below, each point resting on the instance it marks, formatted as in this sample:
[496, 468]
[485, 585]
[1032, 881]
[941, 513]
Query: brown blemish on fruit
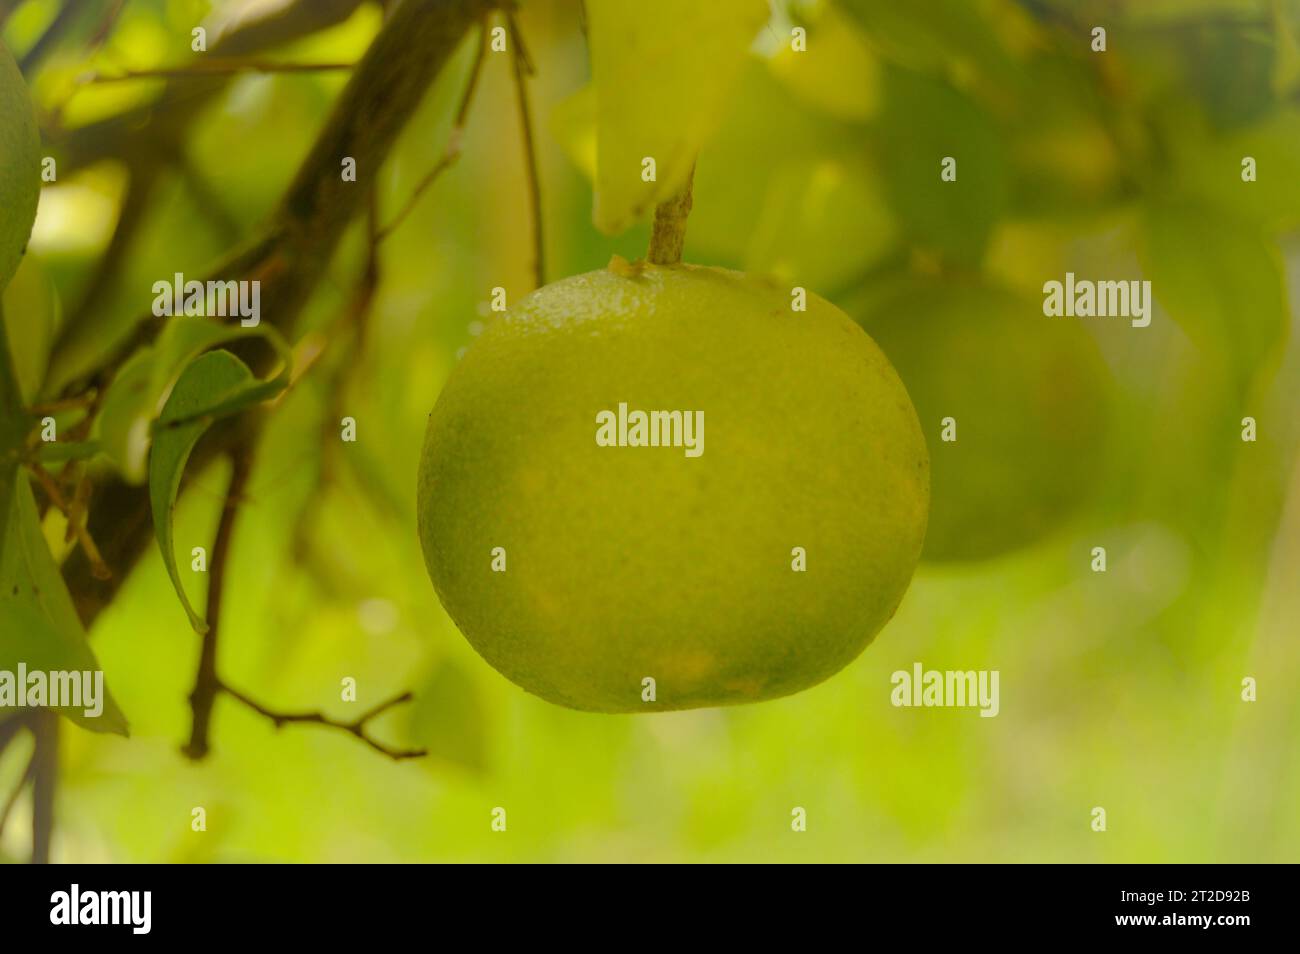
[749, 687]
[622, 267]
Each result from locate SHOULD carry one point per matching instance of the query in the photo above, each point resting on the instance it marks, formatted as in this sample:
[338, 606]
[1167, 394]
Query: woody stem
[669, 232]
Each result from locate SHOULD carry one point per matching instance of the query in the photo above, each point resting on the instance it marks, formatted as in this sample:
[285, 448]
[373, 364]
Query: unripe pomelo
[620, 564]
[1027, 398]
[20, 166]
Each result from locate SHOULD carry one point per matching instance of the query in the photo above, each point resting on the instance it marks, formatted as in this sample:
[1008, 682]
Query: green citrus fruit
[1028, 399]
[20, 166]
[581, 563]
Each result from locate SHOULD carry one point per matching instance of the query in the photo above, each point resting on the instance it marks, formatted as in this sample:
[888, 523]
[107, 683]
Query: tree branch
[452, 152]
[206, 683]
[142, 134]
[136, 131]
[48, 40]
[382, 94]
[523, 68]
[105, 28]
[387, 87]
[75, 517]
[356, 727]
[214, 67]
[7, 8]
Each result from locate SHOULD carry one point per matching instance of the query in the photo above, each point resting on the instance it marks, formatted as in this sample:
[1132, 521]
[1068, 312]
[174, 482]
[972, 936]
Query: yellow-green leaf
[837, 72]
[215, 384]
[573, 123]
[31, 310]
[662, 73]
[39, 628]
[136, 396]
[823, 222]
[449, 720]
[925, 122]
[1221, 279]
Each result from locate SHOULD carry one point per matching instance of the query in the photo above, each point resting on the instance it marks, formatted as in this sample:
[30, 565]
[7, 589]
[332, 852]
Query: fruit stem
[669, 232]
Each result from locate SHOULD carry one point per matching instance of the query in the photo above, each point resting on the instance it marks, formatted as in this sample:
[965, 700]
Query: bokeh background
[1119, 689]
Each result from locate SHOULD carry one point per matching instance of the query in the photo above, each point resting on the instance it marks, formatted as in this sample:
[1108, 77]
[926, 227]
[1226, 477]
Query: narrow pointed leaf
[216, 384]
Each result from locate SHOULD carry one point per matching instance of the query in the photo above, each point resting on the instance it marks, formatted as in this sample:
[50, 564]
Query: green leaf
[1220, 278]
[1286, 62]
[939, 35]
[214, 385]
[137, 394]
[573, 124]
[39, 626]
[38, 623]
[955, 218]
[823, 222]
[55, 452]
[662, 73]
[1208, 167]
[765, 118]
[837, 73]
[448, 718]
[31, 309]
[14, 420]
[1231, 69]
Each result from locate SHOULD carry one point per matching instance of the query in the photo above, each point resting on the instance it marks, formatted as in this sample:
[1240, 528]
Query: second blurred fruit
[1022, 398]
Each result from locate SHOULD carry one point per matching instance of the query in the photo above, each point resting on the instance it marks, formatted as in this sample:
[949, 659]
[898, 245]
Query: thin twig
[357, 727]
[79, 402]
[523, 67]
[76, 522]
[206, 683]
[80, 430]
[81, 488]
[347, 333]
[446, 161]
[212, 67]
[137, 135]
[50, 486]
[454, 143]
[104, 29]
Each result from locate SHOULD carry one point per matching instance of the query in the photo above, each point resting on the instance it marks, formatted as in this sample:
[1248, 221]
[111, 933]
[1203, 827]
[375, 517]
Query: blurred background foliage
[1119, 690]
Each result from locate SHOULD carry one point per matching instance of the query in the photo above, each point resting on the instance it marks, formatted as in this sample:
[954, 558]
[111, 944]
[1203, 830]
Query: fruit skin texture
[1031, 398]
[632, 562]
[20, 166]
